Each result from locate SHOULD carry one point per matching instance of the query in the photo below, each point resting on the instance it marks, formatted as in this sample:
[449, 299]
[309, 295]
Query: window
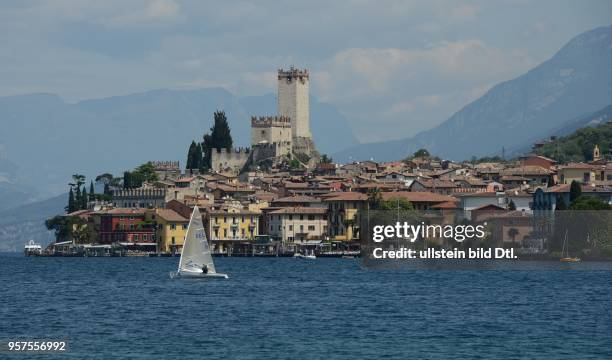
[224, 233]
[184, 226]
[290, 217]
[145, 237]
[311, 227]
[301, 227]
[216, 233]
[301, 217]
[135, 237]
[173, 241]
[290, 227]
[311, 217]
[586, 177]
[173, 226]
[242, 232]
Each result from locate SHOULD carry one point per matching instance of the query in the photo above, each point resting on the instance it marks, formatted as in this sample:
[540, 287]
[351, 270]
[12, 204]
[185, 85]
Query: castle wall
[233, 160]
[293, 101]
[272, 130]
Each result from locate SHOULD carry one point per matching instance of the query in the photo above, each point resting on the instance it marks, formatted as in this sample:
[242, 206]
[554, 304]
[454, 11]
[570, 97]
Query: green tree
[561, 205]
[374, 198]
[92, 194]
[147, 172]
[84, 199]
[220, 137]
[72, 206]
[191, 156]
[105, 179]
[326, 159]
[575, 190]
[395, 204]
[585, 202]
[294, 164]
[512, 232]
[78, 198]
[421, 153]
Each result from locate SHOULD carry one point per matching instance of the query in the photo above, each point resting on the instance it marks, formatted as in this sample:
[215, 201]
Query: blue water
[280, 308]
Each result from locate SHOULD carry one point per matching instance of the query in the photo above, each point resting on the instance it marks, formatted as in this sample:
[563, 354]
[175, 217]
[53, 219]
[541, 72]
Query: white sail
[196, 251]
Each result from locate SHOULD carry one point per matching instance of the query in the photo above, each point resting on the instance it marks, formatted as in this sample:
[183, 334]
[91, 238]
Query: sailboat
[196, 259]
[565, 252]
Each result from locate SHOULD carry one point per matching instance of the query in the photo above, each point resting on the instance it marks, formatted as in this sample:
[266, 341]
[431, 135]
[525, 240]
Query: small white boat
[304, 256]
[32, 248]
[196, 259]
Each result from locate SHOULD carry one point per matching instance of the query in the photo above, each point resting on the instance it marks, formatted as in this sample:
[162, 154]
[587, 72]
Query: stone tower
[596, 153]
[293, 100]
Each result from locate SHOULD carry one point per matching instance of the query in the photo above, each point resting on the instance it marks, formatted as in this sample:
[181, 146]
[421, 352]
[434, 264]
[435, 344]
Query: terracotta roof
[489, 206]
[123, 211]
[298, 199]
[527, 170]
[563, 188]
[346, 196]
[417, 196]
[446, 205]
[576, 166]
[187, 179]
[170, 215]
[300, 210]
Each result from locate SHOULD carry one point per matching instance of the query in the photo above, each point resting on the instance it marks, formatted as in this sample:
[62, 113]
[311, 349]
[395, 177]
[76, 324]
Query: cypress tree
[84, 198]
[71, 204]
[77, 198]
[190, 155]
[220, 137]
[92, 195]
[127, 180]
[560, 203]
[575, 190]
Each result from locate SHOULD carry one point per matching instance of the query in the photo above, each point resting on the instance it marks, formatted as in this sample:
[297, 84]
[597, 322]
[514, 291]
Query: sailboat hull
[197, 275]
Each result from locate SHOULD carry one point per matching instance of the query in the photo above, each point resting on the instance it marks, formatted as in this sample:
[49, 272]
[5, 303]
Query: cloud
[464, 12]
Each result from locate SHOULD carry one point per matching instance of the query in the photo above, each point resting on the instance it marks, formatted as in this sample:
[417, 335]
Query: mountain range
[575, 82]
[44, 140]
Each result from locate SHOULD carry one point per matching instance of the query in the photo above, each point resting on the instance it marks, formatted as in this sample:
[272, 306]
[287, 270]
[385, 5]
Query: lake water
[280, 308]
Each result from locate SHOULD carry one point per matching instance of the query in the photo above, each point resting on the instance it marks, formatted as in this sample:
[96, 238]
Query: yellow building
[580, 172]
[343, 215]
[170, 229]
[232, 228]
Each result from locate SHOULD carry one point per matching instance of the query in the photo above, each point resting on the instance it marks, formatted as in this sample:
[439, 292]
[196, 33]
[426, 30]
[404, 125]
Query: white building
[298, 224]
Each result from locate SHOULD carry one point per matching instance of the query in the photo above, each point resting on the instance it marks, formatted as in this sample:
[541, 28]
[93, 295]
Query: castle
[278, 138]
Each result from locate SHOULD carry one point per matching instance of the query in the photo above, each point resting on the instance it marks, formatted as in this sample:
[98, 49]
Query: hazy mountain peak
[577, 80]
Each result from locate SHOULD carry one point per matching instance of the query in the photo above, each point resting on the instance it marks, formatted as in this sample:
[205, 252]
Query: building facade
[297, 224]
[170, 229]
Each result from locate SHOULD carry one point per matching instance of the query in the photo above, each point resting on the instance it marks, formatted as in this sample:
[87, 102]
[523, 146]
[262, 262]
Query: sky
[393, 68]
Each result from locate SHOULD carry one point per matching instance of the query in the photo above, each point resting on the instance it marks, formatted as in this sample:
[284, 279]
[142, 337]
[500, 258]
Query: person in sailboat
[205, 269]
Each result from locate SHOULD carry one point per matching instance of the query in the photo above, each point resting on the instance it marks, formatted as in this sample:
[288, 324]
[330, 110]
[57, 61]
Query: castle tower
[293, 100]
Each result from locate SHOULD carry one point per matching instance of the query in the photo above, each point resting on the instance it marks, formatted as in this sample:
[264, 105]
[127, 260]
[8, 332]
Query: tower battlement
[270, 121]
[293, 73]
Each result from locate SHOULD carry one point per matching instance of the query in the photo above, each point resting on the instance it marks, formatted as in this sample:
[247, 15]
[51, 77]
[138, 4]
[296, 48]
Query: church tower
[596, 153]
[293, 100]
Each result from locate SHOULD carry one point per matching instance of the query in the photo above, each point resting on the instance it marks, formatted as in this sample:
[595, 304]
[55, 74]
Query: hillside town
[280, 196]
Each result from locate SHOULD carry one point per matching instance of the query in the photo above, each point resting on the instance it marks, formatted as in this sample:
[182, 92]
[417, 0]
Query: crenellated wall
[233, 160]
